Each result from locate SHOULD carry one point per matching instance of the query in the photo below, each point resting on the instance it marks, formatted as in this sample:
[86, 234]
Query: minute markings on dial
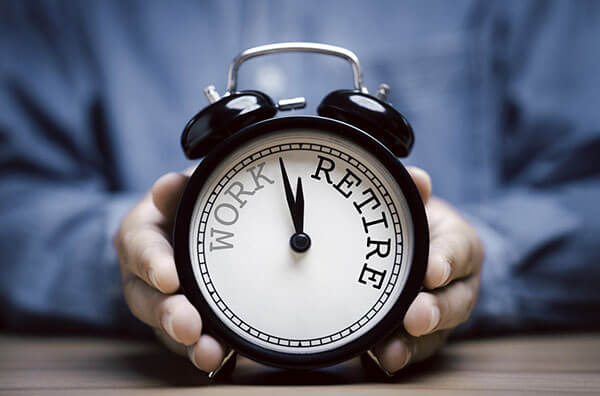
[361, 202]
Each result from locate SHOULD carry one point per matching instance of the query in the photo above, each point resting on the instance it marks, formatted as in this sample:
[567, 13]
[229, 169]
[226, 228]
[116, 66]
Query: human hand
[451, 283]
[149, 276]
[150, 279]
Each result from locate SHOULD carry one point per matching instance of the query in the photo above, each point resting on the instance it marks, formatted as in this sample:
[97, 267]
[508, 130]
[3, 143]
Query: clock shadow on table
[173, 371]
[355, 371]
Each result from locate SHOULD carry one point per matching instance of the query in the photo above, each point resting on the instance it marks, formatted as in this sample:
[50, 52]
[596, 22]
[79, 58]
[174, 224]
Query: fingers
[455, 258]
[442, 309]
[142, 241]
[149, 274]
[453, 255]
[455, 250]
[170, 343]
[148, 254]
[174, 314]
[166, 193]
[422, 181]
[207, 354]
[401, 350]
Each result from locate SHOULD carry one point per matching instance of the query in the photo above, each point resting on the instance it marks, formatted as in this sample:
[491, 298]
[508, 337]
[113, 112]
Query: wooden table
[547, 364]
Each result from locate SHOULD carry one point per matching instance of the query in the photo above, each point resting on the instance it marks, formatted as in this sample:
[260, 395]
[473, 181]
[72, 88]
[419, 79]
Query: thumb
[401, 349]
[422, 181]
[166, 193]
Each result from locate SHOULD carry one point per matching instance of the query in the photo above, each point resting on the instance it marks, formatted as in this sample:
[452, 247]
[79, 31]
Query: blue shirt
[503, 97]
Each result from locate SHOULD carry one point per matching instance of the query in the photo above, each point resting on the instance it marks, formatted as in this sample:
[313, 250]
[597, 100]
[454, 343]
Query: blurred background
[503, 97]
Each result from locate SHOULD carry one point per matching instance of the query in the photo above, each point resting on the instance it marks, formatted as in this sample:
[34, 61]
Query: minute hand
[292, 204]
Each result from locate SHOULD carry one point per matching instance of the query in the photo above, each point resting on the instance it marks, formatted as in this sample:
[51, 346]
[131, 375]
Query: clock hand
[300, 241]
[299, 223]
[288, 193]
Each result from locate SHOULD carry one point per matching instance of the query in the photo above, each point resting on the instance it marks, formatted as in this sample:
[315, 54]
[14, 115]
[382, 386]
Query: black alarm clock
[300, 240]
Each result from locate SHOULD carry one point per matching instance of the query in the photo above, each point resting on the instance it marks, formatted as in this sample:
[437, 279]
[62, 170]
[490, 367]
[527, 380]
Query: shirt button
[271, 79]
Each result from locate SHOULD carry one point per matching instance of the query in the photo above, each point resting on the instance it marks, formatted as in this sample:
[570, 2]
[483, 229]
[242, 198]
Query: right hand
[149, 277]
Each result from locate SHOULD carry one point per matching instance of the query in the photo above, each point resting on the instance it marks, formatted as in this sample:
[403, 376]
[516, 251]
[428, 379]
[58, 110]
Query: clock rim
[391, 322]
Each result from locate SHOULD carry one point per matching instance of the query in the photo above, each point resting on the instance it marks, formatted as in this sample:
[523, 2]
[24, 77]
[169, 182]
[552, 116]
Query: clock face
[270, 295]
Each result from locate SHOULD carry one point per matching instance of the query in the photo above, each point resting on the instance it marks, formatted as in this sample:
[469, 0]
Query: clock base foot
[226, 365]
[375, 360]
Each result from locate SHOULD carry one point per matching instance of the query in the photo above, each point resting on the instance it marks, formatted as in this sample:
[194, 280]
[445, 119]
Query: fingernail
[152, 278]
[434, 320]
[167, 324]
[408, 357]
[447, 271]
[192, 355]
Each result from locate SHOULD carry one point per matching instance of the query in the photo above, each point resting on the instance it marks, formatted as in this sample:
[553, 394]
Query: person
[502, 97]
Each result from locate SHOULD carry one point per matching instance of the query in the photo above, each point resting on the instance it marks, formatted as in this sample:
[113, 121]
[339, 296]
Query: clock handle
[295, 47]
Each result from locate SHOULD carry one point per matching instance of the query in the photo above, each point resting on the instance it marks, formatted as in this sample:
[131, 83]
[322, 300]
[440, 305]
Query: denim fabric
[503, 97]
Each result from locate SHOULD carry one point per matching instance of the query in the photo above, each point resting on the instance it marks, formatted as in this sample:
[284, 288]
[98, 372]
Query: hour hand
[299, 208]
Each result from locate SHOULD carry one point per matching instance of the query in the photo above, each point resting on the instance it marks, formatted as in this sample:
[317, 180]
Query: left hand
[451, 283]
[150, 280]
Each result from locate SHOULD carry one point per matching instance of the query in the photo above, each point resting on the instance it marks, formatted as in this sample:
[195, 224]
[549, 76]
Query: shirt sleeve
[59, 195]
[541, 228]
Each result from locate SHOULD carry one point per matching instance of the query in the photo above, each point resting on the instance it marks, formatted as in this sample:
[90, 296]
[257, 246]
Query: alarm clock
[300, 240]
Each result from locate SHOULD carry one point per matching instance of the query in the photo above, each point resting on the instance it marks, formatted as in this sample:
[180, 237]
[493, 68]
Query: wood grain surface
[547, 364]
